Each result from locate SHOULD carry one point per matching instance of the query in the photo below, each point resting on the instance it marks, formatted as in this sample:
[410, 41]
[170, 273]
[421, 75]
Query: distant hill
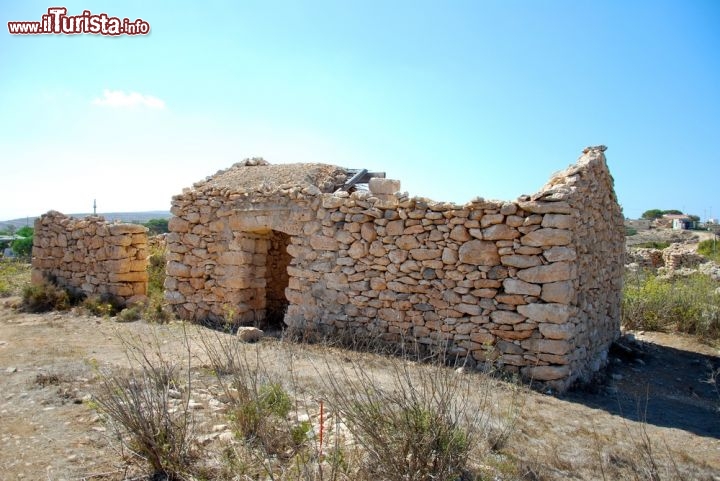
[132, 217]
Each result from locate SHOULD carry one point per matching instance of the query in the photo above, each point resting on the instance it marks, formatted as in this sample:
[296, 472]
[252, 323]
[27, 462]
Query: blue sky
[455, 98]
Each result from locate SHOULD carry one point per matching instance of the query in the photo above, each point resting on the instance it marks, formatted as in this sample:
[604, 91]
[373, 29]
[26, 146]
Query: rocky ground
[50, 427]
[667, 235]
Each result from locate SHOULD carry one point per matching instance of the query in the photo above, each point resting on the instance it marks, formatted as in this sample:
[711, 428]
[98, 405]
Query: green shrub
[156, 311]
[630, 231]
[260, 418]
[683, 304]
[157, 226]
[45, 297]
[22, 247]
[710, 248]
[156, 272]
[130, 314]
[104, 305]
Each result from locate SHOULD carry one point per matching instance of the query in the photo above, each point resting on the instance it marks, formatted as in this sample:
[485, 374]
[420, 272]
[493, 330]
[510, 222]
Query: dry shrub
[260, 407]
[416, 421]
[145, 416]
[45, 297]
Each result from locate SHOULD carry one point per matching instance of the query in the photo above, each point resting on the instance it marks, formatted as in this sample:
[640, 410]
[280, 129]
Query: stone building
[533, 284]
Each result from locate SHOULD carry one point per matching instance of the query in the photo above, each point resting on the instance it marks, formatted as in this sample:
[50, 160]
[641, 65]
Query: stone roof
[257, 175]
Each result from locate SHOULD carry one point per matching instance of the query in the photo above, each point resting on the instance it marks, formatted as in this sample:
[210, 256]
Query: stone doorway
[276, 279]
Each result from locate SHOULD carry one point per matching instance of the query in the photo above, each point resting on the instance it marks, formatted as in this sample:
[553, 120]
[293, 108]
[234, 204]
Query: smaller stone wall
[679, 256]
[91, 255]
[645, 258]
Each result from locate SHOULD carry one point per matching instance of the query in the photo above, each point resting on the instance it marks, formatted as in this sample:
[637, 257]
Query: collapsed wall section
[90, 255]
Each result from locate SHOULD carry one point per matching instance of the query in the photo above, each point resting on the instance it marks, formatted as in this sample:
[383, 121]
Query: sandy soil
[49, 429]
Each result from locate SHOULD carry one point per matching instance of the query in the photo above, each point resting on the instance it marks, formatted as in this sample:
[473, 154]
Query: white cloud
[118, 98]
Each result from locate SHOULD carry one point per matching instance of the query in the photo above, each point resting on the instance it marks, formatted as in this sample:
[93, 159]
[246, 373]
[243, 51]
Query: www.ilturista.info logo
[57, 21]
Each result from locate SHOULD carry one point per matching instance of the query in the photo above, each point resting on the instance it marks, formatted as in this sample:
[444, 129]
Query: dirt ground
[50, 430]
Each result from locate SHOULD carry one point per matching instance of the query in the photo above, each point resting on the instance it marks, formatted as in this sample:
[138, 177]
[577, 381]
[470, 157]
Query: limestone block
[547, 237]
[558, 271]
[491, 219]
[500, 232]
[511, 335]
[554, 313]
[506, 317]
[177, 224]
[559, 221]
[368, 232]
[235, 258]
[560, 292]
[249, 334]
[550, 346]
[520, 261]
[177, 269]
[557, 331]
[320, 242]
[395, 227]
[545, 373]
[460, 233]
[538, 207]
[425, 254]
[556, 254]
[121, 229]
[516, 286]
[383, 186]
[479, 252]
[330, 201]
[358, 249]
[470, 309]
[414, 229]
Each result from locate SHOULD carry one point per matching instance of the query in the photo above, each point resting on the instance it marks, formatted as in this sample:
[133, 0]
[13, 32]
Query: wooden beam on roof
[361, 176]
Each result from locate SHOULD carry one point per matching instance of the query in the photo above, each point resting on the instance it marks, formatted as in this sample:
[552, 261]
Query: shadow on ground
[661, 385]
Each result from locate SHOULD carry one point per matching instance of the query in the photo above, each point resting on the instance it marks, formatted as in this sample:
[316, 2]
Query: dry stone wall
[91, 255]
[533, 285]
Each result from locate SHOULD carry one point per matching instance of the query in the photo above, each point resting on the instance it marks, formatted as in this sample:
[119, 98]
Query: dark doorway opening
[276, 279]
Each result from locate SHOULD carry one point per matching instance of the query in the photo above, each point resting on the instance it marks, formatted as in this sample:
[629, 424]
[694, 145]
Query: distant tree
[23, 247]
[695, 218]
[157, 226]
[672, 212]
[25, 232]
[652, 214]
